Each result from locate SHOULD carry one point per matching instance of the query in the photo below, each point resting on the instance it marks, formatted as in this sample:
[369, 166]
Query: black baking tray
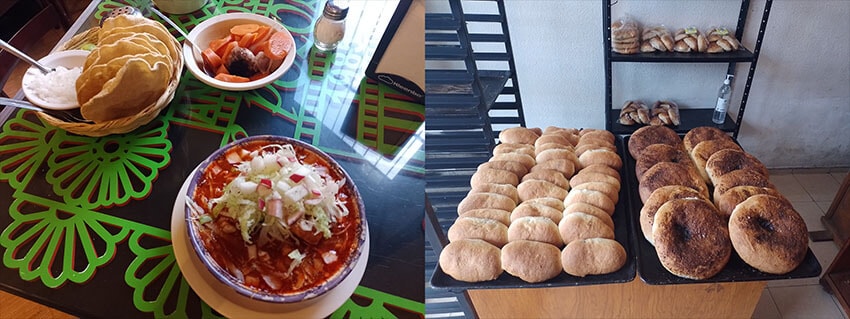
[652, 272]
[622, 233]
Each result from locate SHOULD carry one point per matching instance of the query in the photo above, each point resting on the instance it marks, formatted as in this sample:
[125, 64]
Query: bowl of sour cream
[57, 89]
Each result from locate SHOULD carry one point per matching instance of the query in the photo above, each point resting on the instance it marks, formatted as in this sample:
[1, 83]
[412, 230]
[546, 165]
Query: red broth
[272, 262]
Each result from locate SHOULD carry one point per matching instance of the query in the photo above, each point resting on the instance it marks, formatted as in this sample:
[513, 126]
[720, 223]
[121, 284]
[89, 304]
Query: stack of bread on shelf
[540, 206]
[694, 230]
[627, 38]
[662, 113]
[658, 39]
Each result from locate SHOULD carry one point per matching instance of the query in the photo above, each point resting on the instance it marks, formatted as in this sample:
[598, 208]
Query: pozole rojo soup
[276, 216]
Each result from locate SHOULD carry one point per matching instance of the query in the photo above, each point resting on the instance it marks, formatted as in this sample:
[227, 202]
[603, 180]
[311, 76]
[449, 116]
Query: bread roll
[592, 197]
[535, 209]
[501, 189]
[547, 201]
[548, 146]
[492, 176]
[487, 230]
[565, 166]
[471, 260]
[514, 167]
[551, 138]
[587, 177]
[485, 200]
[531, 261]
[498, 215]
[537, 188]
[535, 228]
[518, 135]
[590, 210]
[577, 226]
[525, 159]
[552, 176]
[593, 256]
[503, 148]
[609, 190]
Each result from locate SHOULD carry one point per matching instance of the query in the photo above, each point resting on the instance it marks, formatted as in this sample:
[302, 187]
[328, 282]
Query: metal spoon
[72, 115]
[14, 51]
[196, 51]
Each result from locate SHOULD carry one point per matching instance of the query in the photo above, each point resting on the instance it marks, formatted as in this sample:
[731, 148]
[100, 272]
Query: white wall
[798, 112]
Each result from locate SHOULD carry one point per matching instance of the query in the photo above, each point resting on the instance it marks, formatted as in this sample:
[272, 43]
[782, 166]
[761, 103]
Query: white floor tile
[811, 213]
[787, 185]
[808, 302]
[766, 308]
[839, 176]
[824, 206]
[821, 187]
[825, 252]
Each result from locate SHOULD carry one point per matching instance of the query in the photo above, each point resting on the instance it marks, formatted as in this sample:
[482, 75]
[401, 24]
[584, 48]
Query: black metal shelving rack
[690, 117]
[471, 94]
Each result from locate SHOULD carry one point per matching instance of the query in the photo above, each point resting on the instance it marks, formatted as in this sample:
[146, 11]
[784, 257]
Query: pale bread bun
[531, 261]
[552, 176]
[485, 200]
[565, 166]
[584, 147]
[577, 226]
[503, 148]
[471, 260]
[498, 215]
[525, 159]
[601, 156]
[535, 228]
[609, 190]
[590, 210]
[485, 229]
[492, 176]
[514, 167]
[587, 177]
[553, 154]
[518, 135]
[548, 146]
[592, 197]
[604, 169]
[501, 189]
[593, 256]
[551, 138]
[526, 209]
[538, 188]
[547, 201]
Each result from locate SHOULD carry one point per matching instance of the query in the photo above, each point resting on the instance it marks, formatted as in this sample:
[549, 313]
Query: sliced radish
[275, 208]
[261, 204]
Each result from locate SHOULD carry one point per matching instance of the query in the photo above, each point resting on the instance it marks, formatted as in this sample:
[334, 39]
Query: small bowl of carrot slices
[245, 50]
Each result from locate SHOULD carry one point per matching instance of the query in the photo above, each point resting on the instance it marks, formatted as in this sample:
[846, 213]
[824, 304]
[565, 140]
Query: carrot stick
[227, 48]
[217, 44]
[247, 39]
[243, 29]
[231, 78]
[211, 58]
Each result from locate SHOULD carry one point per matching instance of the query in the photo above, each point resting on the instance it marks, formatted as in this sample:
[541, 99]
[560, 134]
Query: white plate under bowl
[219, 26]
[234, 305]
[68, 59]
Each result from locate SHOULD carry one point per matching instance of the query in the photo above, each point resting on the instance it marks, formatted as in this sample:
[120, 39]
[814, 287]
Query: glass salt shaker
[330, 27]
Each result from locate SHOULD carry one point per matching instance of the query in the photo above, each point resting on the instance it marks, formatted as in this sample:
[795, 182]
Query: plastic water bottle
[722, 101]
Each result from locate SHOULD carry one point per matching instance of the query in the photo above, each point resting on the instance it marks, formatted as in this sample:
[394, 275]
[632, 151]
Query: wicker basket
[125, 124]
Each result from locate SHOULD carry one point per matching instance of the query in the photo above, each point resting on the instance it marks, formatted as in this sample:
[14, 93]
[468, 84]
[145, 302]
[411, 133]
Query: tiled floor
[811, 192]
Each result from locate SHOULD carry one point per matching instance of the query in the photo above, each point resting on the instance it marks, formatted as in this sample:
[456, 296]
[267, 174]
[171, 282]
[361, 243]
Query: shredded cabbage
[275, 191]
